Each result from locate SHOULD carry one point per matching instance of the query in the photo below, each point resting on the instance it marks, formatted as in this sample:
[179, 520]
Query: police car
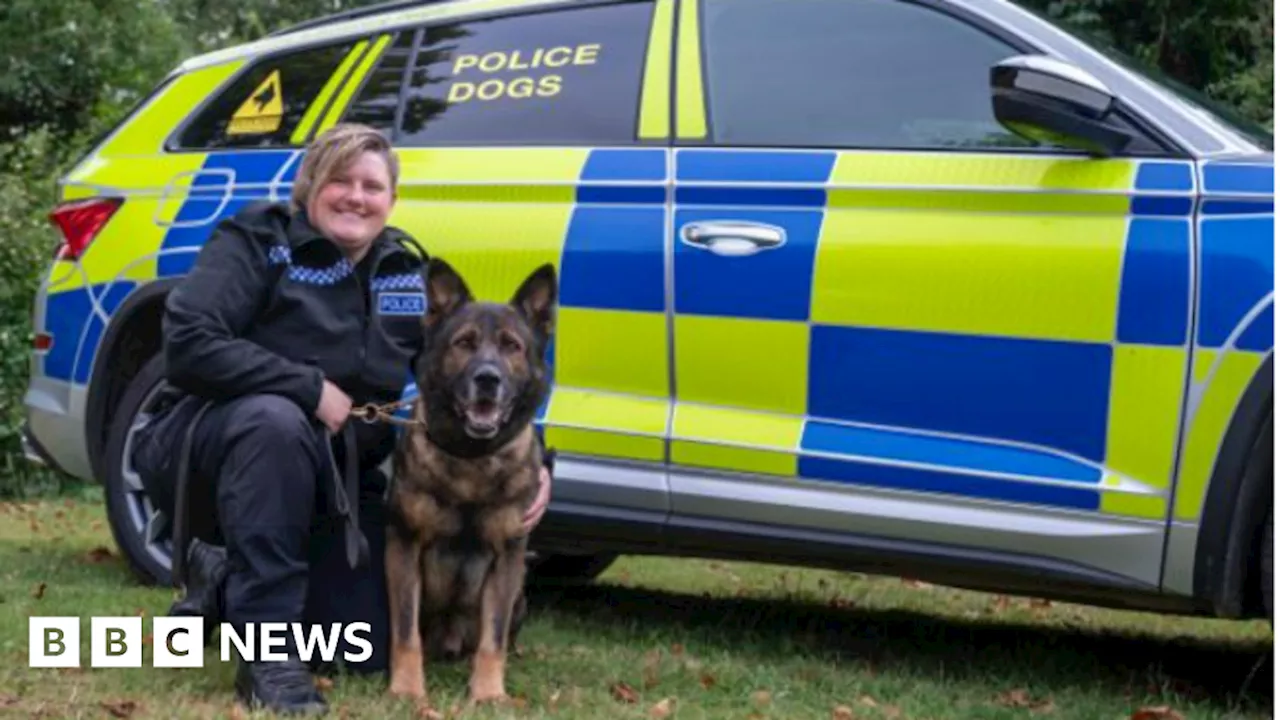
[916, 287]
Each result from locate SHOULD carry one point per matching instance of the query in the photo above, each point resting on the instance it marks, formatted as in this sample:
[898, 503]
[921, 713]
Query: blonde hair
[334, 150]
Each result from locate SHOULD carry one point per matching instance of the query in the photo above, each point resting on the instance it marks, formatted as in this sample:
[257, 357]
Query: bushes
[28, 171]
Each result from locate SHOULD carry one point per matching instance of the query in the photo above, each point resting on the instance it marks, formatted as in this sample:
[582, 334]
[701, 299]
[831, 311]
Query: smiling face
[351, 208]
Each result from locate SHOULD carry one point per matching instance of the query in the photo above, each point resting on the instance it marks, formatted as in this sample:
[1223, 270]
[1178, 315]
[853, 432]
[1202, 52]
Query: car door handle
[733, 238]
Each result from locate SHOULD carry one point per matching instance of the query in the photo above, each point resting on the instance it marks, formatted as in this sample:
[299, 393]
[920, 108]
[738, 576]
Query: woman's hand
[539, 507]
[335, 407]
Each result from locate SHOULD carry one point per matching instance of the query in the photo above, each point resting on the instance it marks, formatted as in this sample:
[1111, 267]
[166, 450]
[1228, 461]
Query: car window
[565, 77]
[886, 74]
[264, 105]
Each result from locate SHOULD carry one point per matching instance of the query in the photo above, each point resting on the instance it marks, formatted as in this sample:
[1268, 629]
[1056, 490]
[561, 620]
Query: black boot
[206, 571]
[287, 688]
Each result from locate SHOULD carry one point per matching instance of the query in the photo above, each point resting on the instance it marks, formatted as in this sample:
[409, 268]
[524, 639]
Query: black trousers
[284, 539]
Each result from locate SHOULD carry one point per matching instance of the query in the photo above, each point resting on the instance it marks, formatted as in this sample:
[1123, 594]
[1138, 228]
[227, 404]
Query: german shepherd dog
[464, 475]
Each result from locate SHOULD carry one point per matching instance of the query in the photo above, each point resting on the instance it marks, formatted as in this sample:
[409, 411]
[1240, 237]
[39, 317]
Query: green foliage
[71, 68]
[1223, 48]
[26, 194]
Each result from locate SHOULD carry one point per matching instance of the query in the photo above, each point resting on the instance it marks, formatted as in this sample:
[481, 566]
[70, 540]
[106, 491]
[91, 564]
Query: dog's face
[484, 363]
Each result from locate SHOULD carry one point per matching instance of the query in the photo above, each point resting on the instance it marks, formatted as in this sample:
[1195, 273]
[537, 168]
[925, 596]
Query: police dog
[464, 474]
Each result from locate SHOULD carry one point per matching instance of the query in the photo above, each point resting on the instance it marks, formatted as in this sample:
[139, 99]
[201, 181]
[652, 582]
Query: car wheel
[568, 569]
[142, 533]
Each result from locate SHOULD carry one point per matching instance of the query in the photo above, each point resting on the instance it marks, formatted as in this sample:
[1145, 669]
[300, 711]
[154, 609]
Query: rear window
[566, 77]
[264, 105]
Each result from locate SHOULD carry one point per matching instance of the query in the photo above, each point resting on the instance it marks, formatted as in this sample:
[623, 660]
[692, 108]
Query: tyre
[141, 532]
[1268, 591]
[568, 569]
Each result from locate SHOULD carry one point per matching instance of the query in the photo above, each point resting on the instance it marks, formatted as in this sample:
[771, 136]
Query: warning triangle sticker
[262, 111]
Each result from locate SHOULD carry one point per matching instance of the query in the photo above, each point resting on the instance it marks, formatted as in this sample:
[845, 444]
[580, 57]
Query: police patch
[402, 303]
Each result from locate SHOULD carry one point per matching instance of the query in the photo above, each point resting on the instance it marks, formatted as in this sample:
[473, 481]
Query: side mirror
[1046, 100]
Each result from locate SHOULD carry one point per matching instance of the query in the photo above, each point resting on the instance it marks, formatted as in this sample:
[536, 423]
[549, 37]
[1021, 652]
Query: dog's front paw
[487, 678]
[407, 686]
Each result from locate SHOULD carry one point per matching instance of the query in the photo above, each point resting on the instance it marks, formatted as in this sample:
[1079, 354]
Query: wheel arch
[1236, 501]
[132, 337]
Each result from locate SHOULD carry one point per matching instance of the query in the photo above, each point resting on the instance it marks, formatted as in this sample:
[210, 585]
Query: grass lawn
[682, 639]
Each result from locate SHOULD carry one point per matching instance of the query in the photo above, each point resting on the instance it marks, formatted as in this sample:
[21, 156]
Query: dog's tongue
[483, 414]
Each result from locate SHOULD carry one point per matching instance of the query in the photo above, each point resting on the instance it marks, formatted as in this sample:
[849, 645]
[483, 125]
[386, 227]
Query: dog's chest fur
[439, 496]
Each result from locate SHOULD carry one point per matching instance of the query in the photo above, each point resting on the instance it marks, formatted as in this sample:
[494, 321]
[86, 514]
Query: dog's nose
[487, 380]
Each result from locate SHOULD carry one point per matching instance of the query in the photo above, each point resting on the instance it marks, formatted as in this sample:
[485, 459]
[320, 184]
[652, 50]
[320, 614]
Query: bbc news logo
[178, 642]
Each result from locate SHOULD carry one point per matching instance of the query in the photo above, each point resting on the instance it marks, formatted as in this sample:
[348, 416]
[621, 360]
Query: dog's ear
[536, 299]
[446, 292]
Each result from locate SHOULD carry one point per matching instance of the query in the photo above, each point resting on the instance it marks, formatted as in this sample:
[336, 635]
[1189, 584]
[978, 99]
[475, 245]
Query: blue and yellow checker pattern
[1009, 329]
[964, 336]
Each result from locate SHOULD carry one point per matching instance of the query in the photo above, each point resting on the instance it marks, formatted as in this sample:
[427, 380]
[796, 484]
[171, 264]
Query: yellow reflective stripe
[617, 351]
[156, 174]
[691, 116]
[1038, 278]
[915, 170]
[716, 357]
[636, 427]
[1146, 507]
[145, 133]
[1209, 424]
[655, 95]
[731, 439]
[301, 132]
[974, 201]
[1142, 425]
[340, 103]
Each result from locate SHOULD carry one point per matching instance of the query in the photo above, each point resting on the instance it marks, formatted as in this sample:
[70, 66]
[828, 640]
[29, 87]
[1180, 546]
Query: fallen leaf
[555, 698]
[842, 712]
[7, 700]
[68, 503]
[96, 525]
[661, 710]
[677, 649]
[1001, 603]
[121, 708]
[426, 712]
[1040, 603]
[237, 712]
[98, 554]
[38, 593]
[623, 692]
[707, 681]
[868, 701]
[1020, 698]
[1162, 712]
[324, 683]
[761, 697]
[912, 583]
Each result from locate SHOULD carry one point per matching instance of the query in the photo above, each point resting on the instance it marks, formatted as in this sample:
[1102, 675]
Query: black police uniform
[270, 309]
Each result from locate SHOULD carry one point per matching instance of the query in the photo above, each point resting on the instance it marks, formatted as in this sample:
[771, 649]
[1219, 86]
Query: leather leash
[371, 413]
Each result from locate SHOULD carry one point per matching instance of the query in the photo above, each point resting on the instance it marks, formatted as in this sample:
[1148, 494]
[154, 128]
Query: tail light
[79, 222]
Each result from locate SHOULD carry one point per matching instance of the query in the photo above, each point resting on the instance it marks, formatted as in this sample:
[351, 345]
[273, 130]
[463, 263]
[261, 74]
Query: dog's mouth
[484, 418]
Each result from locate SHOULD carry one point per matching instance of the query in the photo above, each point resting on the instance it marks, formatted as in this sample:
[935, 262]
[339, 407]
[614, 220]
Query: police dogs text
[178, 642]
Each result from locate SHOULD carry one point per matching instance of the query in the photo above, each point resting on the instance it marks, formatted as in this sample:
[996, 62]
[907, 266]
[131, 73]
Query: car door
[896, 318]
[528, 137]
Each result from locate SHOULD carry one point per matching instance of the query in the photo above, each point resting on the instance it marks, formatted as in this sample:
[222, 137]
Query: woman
[276, 334]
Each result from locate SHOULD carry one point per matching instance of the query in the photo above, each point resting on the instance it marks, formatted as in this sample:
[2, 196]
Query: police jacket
[272, 306]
